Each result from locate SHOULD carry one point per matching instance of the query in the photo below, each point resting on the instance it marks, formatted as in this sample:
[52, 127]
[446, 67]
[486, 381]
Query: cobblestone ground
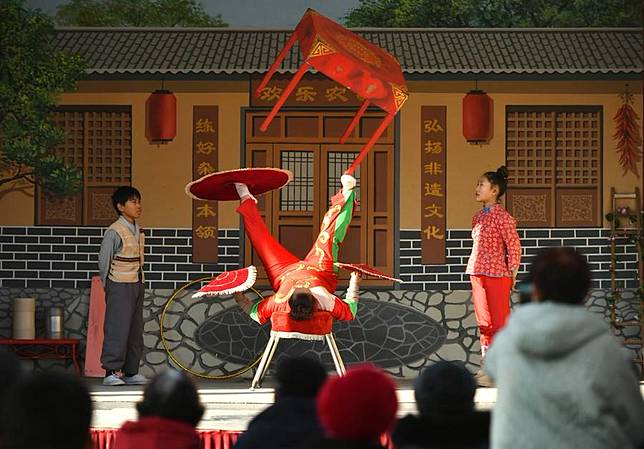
[402, 331]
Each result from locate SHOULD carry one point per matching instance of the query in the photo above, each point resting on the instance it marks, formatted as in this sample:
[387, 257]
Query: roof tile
[428, 51]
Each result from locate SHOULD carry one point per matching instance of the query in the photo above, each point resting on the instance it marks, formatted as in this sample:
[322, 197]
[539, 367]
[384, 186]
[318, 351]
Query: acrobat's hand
[352, 291]
[348, 182]
[243, 301]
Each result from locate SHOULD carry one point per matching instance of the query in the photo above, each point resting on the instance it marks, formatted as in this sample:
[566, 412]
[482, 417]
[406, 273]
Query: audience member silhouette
[446, 417]
[10, 374]
[168, 414]
[48, 411]
[563, 380]
[292, 419]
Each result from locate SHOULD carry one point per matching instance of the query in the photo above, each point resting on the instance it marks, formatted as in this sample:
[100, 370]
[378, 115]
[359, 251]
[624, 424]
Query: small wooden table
[45, 348]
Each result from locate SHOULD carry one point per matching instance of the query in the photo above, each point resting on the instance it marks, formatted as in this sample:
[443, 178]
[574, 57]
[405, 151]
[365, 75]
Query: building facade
[554, 93]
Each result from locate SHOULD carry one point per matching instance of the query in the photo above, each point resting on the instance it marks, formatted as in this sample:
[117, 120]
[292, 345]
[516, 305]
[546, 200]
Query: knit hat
[361, 405]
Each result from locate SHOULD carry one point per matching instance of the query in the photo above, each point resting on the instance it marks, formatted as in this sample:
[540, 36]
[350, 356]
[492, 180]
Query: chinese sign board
[433, 177]
[311, 91]
[205, 144]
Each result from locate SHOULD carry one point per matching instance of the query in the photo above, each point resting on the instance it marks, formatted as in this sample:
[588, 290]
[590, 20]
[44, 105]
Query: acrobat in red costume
[315, 275]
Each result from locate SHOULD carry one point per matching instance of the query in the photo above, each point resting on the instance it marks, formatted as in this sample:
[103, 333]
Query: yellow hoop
[176, 361]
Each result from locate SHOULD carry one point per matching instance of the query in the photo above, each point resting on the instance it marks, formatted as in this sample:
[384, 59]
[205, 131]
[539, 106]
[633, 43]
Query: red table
[350, 60]
[45, 348]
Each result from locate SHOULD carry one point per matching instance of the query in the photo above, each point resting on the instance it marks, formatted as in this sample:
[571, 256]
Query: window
[98, 140]
[294, 213]
[554, 158]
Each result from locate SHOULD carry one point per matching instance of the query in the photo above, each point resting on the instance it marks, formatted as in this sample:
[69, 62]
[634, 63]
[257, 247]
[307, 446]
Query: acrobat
[305, 286]
[304, 299]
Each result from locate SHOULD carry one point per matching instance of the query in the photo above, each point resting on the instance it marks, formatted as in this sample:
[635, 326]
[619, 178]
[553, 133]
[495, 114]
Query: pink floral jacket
[496, 250]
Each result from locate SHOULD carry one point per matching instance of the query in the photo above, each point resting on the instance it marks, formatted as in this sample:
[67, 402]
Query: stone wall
[430, 318]
[400, 330]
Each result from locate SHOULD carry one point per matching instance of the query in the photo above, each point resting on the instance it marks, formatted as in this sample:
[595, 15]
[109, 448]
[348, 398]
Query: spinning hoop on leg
[176, 361]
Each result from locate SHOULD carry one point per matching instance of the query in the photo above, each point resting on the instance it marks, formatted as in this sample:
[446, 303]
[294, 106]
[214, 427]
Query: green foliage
[32, 76]
[622, 218]
[136, 13]
[496, 13]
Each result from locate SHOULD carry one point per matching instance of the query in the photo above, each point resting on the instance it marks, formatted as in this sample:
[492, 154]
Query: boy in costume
[120, 263]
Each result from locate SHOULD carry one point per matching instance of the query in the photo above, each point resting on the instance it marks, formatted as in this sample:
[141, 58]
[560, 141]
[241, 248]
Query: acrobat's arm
[259, 311]
[341, 309]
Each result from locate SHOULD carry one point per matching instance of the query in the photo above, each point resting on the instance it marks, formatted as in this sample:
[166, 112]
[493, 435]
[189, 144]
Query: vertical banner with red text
[433, 177]
[205, 144]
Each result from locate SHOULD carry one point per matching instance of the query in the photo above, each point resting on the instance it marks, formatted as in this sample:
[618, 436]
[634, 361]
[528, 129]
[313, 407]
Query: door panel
[296, 218]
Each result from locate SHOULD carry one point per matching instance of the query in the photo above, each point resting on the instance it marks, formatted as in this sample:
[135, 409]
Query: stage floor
[229, 405]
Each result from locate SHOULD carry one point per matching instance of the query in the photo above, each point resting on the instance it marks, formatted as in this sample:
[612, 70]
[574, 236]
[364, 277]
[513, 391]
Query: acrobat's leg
[273, 255]
[333, 229]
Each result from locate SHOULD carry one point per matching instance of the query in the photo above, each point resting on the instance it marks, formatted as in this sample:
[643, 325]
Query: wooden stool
[272, 346]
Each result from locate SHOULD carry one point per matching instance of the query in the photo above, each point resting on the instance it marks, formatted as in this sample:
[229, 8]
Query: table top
[39, 341]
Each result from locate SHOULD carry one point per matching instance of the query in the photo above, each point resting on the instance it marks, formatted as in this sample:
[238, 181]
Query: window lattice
[71, 149]
[109, 155]
[553, 147]
[97, 140]
[298, 194]
[530, 147]
[578, 148]
[338, 163]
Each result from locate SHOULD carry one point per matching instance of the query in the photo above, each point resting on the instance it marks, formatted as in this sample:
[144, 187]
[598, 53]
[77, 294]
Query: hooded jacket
[563, 382]
[153, 432]
[288, 423]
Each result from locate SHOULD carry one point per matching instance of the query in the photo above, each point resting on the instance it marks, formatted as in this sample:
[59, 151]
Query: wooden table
[45, 348]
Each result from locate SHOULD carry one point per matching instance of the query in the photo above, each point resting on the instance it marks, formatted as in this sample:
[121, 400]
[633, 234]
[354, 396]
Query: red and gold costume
[316, 272]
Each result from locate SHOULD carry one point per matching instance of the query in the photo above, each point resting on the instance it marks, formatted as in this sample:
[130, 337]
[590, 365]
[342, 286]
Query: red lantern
[477, 117]
[161, 117]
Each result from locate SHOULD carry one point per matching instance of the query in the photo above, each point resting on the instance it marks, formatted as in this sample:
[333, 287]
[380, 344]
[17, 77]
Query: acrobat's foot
[220, 186]
[243, 192]
[348, 182]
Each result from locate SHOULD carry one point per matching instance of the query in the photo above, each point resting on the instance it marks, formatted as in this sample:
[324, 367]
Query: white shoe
[113, 381]
[136, 379]
[243, 192]
[348, 182]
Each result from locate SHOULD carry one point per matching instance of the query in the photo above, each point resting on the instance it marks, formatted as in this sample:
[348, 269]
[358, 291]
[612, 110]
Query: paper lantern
[161, 117]
[477, 117]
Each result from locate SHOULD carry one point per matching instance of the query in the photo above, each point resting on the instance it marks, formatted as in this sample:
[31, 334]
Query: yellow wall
[161, 172]
[467, 162]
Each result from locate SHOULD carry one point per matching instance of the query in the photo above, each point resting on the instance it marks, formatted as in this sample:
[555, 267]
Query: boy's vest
[127, 263]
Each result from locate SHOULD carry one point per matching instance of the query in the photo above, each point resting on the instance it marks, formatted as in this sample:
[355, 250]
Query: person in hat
[302, 287]
[357, 409]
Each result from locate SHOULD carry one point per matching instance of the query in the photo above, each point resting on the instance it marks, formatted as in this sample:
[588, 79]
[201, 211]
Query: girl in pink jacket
[495, 258]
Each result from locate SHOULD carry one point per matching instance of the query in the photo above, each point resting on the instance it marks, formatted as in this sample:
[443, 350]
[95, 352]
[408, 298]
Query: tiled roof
[420, 51]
